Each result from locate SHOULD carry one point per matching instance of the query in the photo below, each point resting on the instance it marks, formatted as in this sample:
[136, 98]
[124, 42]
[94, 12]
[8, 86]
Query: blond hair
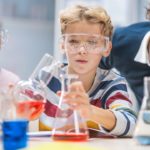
[90, 14]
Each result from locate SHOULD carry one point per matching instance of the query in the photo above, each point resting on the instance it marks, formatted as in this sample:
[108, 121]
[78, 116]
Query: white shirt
[142, 55]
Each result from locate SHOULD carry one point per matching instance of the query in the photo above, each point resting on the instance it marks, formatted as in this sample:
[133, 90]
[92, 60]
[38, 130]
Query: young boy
[103, 98]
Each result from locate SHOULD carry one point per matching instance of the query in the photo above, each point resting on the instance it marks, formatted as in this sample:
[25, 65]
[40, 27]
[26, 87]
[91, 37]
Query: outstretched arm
[118, 118]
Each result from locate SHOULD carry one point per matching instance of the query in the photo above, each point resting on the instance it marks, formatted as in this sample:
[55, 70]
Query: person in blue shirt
[130, 54]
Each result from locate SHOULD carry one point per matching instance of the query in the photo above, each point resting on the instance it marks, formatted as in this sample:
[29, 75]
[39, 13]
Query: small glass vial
[142, 130]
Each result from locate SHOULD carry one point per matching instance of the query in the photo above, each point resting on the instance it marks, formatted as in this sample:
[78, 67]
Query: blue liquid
[144, 140]
[14, 134]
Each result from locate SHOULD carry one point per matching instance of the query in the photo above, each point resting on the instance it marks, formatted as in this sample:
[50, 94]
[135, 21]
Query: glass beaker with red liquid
[29, 99]
[68, 124]
[30, 95]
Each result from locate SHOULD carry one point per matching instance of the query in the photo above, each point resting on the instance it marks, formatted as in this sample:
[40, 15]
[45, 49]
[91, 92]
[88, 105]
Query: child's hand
[78, 99]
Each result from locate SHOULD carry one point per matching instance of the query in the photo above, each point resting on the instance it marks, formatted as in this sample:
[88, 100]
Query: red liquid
[30, 109]
[70, 137]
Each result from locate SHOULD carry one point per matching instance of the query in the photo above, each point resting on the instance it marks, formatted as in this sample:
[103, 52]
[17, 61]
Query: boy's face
[84, 47]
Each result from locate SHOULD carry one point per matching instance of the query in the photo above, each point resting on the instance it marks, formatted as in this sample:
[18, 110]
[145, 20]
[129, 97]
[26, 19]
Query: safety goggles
[92, 43]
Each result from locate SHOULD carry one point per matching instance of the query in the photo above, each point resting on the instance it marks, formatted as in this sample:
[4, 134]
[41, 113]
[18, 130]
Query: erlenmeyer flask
[68, 124]
[142, 130]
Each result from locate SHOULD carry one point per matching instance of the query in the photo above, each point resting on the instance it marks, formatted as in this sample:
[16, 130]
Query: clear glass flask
[30, 98]
[30, 95]
[142, 130]
[68, 124]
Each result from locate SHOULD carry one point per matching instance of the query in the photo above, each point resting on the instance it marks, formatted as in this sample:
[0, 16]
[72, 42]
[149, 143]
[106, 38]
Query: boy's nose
[82, 50]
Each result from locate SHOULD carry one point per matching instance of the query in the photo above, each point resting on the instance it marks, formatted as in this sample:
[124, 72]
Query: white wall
[27, 42]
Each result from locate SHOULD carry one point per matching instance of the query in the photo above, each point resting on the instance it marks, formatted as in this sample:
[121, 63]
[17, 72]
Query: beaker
[30, 95]
[142, 130]
[30, 98]
[68, 124]
[14, 129]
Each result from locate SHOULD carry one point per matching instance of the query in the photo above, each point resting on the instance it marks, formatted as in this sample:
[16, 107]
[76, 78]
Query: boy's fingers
[77, 86]
[76, 99]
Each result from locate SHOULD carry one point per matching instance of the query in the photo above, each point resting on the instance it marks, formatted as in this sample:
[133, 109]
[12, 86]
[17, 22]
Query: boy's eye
[72, 41]
[92, 42]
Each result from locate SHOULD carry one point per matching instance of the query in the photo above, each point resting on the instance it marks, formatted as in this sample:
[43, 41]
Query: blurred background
[33, 28]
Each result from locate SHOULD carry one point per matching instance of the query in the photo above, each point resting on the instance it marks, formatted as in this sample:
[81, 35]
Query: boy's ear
[108, 50]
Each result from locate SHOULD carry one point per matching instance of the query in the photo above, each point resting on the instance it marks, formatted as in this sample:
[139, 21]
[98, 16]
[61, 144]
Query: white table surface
[103, 143]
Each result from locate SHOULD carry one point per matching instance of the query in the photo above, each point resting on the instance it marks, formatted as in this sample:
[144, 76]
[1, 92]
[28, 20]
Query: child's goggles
[93, 43]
